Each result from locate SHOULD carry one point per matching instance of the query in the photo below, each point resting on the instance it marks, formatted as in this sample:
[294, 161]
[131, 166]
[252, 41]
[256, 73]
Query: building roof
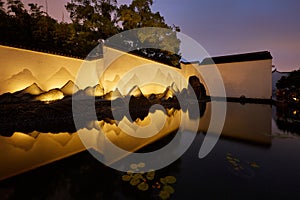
[261, 55]
[189, 62]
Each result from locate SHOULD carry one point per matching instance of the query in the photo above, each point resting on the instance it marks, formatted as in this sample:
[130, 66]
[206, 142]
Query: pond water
[255, 157]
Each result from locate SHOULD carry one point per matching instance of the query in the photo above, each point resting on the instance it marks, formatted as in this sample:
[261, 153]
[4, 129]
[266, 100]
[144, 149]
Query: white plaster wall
[252, 79]
[130, 70]
[42, 66]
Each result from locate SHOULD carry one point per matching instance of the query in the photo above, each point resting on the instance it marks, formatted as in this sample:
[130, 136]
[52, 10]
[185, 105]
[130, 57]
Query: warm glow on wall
[52, 95]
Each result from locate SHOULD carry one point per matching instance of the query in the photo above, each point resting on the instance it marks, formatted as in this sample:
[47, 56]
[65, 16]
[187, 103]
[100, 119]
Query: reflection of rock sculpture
[135, 91]
[168, 93]
[24, 152]
[112, 95]
[98, 90]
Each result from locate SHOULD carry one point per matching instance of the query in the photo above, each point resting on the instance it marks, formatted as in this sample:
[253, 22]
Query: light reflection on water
[22, 152]
[250, 135]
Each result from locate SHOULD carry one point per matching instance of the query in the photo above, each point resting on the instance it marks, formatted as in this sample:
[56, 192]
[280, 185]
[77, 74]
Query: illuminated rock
[34, 134]
[20, 140]
[153, 88]
[61, 138]
[96, 91]
[168, 93]
[51, 95]
[33, 89]
[69, 88]
[175, 88]
[112, 95]
[89, 91]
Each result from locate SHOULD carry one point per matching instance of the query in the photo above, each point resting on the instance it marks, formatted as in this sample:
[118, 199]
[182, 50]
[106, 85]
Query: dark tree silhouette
[92, 21]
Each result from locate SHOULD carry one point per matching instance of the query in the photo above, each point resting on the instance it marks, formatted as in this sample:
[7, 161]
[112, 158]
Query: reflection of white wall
[249, 122]
[23, 152]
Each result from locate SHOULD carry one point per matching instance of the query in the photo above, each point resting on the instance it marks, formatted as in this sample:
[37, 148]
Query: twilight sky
[225, 27]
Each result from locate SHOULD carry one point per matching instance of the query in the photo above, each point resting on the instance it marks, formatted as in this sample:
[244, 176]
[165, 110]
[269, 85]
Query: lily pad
[163, 181]
[126, 177]
[133, 166]
[130, 172]
[169, 189]
[141, 165]
[170, 179]
[150, 175]
[164, 194]
[134, 181]
[254, 165]
[143, 186]
[138, 176]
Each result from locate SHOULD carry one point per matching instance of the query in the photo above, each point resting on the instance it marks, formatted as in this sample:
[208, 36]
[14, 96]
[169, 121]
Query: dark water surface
[256, 157]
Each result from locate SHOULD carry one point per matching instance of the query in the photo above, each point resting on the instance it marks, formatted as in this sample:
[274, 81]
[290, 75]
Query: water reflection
[247, 123]
[23, 152]
[288, 118]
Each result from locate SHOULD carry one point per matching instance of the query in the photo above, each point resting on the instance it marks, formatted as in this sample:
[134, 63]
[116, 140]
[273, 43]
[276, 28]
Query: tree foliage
[92, 21]
[291, 81]
[160, 45]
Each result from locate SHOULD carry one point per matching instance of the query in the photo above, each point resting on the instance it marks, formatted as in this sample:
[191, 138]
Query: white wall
[42, 66]
[252, 79]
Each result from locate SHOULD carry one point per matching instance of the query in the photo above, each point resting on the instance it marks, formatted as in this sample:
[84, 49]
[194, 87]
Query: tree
[138, 14]
[2, 10]
[19, 19]
[163, 43]
[36, 10]
[291, 81]
[92, 20]
[16, 8]
[3, 19]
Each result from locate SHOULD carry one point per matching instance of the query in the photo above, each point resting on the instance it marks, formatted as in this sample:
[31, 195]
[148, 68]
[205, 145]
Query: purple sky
[229, 26]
